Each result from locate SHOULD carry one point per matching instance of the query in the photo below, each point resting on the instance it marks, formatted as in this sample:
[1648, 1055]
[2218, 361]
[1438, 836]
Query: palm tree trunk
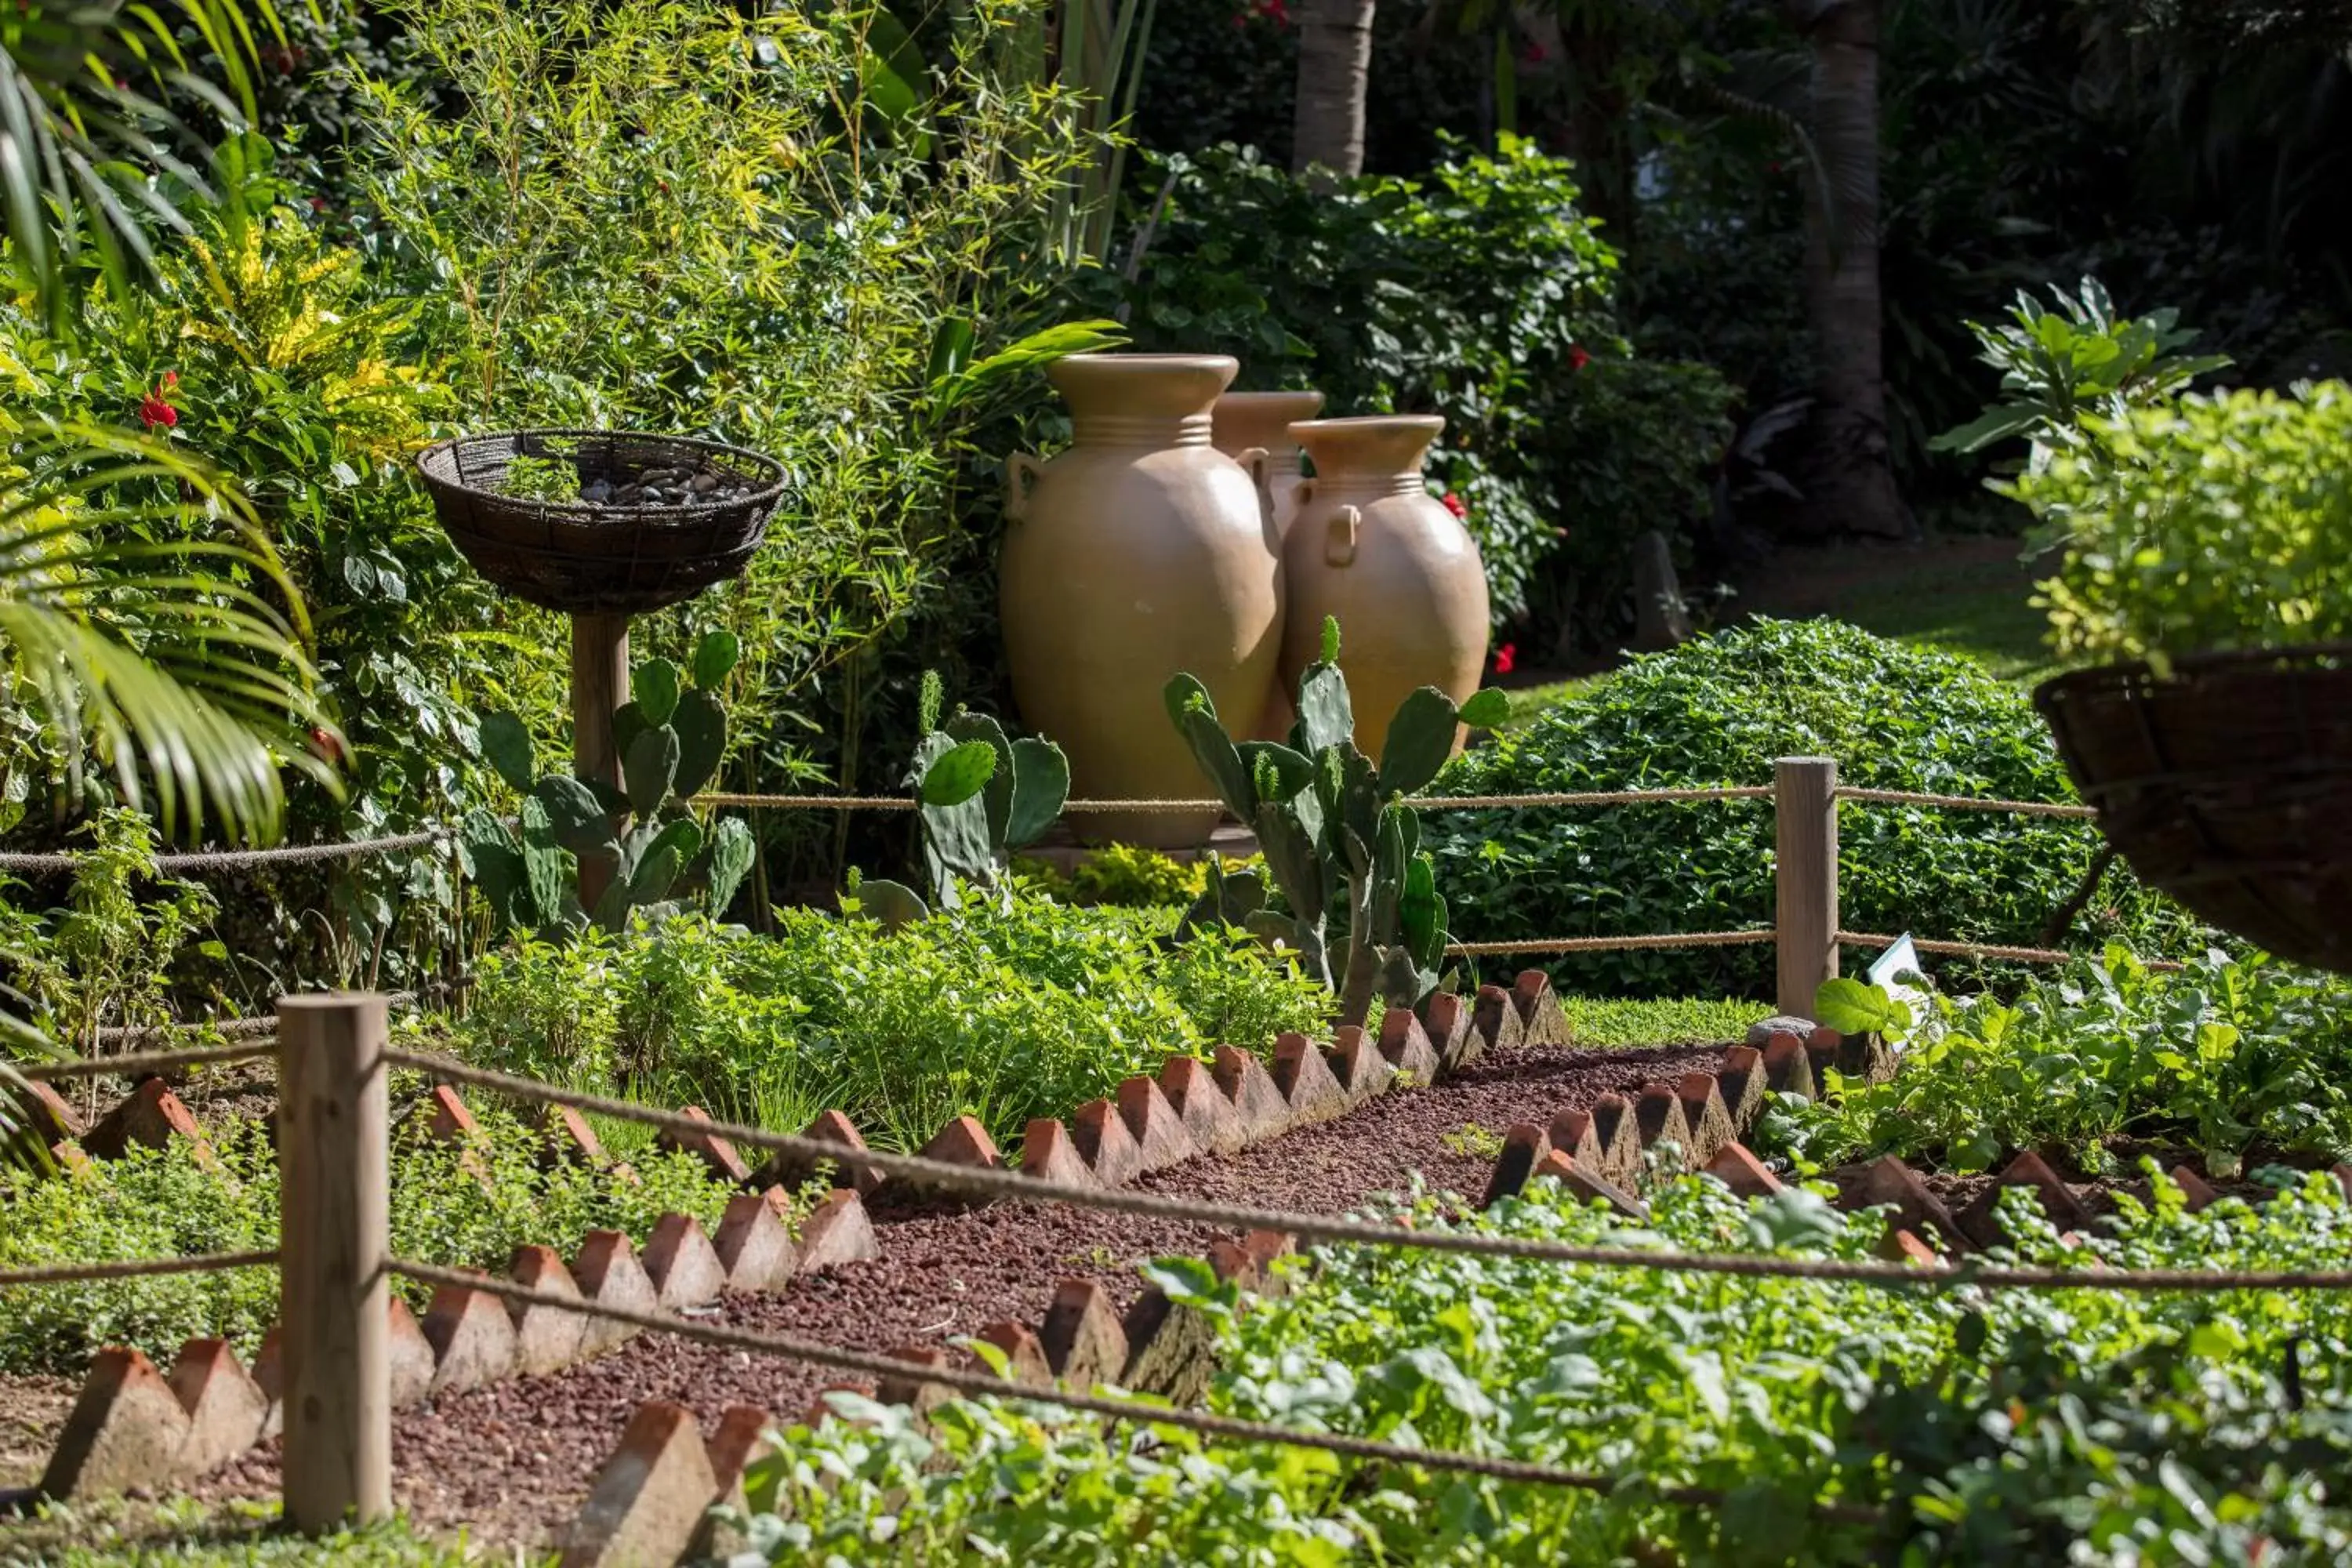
[1335, 65]
[1852, 484]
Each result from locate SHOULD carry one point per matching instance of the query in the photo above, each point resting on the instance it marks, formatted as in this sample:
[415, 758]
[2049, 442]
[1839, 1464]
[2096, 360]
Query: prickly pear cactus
[1335, 830]
[980, 797]
[657, 856]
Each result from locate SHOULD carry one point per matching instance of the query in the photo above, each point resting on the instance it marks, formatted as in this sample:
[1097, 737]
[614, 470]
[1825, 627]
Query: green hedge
[1717, 712]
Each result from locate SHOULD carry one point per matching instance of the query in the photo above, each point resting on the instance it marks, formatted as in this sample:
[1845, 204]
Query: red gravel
[512, 1462]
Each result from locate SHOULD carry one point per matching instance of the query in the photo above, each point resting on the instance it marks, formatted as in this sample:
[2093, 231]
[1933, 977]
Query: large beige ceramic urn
[1140, 552]
[1247, 422]
[1371, 546]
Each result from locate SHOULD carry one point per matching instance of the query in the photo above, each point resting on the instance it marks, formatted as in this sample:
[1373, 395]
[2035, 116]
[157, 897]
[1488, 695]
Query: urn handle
[1300, 494]
[1339, 536]
[1021, 471]
[1261, 472]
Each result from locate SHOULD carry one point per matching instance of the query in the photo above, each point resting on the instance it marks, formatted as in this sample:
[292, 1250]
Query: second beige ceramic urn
[1140, 552]
[1370, 545]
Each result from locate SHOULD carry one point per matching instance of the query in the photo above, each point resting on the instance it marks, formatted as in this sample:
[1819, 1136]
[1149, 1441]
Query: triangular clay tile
[1406, 1046]
[1541, 1023]
[1208, 1114]
[1305, 1081]
[1257, 1100]
[1160, 1137]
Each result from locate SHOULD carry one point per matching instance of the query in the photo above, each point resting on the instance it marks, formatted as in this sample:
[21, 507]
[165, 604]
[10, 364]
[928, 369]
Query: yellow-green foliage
[2221, 522]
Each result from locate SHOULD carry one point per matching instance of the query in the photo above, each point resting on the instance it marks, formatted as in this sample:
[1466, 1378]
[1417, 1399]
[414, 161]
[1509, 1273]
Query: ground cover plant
[2234, 1058]
[1719, 710]
[465, 1206]
[2097, 1428]
[1002, 1013]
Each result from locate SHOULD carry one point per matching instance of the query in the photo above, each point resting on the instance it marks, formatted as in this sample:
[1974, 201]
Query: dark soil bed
[512, 1462]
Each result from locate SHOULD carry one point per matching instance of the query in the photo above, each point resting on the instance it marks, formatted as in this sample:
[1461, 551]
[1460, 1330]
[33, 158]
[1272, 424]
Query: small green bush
[167, 1203]
[1717, 712]
[1002, 1015]
[2228, 1055]
[2208, 522]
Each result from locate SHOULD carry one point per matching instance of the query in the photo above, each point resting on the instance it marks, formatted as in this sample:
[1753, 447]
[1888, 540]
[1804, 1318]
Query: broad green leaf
[959, 773]
[507, 744]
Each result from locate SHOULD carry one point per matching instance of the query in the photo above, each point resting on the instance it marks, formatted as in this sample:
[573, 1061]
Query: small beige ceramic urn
[1244, 422]
[1138, 552]
[1370, 545]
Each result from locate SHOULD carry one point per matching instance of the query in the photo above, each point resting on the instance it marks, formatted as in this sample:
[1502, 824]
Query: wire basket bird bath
[601, 525]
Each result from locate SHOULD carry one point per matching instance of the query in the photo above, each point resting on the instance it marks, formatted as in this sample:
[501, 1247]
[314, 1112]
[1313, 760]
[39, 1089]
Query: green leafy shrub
[158, 1203]
[2208, 522]
[1003, 1014]
[1481, 292]
[1717, 712]
[2227, 1057]
[1784, 1393]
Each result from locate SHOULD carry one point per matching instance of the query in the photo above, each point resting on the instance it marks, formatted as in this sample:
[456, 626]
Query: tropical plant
[588, 854]
[2207, 522]
[979, 797]
[2059, 368]
[1334, 827]
[87, 96]
[1717, 710]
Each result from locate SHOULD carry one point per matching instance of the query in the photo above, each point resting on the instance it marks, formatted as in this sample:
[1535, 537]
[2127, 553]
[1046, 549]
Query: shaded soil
[513, 1461]
[32, 1412]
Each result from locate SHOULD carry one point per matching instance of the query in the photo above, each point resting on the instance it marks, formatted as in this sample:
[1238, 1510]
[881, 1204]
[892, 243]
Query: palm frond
[180, 660]
[84, 119]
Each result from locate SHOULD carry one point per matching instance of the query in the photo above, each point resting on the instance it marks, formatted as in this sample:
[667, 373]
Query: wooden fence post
[333, 1243]
[600, 687]
[1805, 878]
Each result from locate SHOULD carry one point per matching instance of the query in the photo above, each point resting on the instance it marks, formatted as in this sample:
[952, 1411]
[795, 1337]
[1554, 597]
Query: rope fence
[135, 1268]
[887, 1368]
[238, 859]
[1612, 943]
[144, 1062]
[1982, 950]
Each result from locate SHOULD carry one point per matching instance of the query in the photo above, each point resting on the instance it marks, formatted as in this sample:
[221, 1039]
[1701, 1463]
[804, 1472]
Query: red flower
[154, 410]
[328, 746]
[318, 204]
[1454, 504]
[171, 378]
[1276, 12]
[1577, 358]
[1507, 659]
[1535, 53]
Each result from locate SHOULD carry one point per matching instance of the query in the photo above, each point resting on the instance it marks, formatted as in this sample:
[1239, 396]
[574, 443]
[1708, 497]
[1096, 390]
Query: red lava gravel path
[513, 1461]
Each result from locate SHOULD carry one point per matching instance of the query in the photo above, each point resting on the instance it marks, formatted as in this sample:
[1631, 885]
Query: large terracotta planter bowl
[1371, 546]
[2228, 784]
[1138, 552]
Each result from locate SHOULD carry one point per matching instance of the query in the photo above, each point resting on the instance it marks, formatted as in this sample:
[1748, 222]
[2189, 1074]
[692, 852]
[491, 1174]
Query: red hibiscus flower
[1454, 504]
[1577, 358]
[155, 409]
[1507, 659]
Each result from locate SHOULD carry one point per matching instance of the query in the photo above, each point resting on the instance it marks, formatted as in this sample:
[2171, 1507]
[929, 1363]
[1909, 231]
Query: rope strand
[135, 1268]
